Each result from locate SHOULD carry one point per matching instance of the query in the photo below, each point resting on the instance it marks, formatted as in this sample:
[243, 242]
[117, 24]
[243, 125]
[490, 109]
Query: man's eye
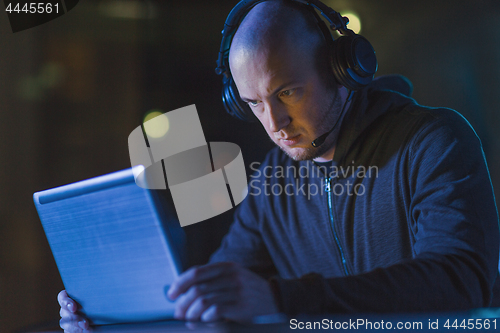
[288, 92]
[253, 103]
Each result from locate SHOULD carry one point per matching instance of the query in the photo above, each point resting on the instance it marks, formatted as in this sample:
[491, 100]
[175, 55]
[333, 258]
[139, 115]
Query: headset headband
[336, 21]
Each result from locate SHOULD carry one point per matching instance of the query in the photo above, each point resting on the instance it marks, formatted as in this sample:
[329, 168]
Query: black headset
[352, 57]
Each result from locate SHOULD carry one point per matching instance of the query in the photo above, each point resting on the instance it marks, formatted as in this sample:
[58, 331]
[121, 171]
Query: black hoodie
[407, 221]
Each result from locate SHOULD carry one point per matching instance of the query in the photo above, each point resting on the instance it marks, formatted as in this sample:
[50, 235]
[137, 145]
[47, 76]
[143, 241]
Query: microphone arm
[319, 141]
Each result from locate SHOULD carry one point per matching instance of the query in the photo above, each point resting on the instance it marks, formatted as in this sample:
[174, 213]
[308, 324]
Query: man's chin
[300, 154]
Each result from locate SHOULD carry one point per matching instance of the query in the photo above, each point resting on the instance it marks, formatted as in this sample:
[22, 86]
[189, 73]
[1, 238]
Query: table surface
[181, 326]
[429, 322]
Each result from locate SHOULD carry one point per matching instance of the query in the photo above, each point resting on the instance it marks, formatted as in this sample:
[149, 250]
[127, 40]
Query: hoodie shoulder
[394, 82]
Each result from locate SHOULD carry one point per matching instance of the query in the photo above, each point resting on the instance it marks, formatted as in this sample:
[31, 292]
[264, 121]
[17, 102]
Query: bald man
[423, 234]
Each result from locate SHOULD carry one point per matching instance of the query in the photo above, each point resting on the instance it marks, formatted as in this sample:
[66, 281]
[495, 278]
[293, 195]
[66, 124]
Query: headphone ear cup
[233, 103]
[353, 61]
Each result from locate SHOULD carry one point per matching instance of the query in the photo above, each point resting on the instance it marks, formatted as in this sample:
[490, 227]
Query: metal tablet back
[116, 247]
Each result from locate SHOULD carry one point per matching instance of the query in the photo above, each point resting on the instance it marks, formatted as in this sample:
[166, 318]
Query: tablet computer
[117, 246]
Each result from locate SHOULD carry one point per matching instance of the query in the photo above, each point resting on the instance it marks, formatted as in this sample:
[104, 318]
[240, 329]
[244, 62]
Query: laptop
[117, 246]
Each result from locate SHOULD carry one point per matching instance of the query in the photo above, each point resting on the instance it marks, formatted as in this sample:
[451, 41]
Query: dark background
[73, 89]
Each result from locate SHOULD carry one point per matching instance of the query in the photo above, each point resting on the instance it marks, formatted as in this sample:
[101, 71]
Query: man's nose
[278, 117]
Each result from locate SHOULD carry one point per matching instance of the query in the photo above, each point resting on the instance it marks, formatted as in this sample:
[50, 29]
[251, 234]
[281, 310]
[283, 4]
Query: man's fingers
[221, 285]
[214, 313]
[70, 321]
[66, 302]
[202, 303]
[183, 304]
[65, 313]
[70, 325]
[197, 275]
[84, 324]
[61, 295]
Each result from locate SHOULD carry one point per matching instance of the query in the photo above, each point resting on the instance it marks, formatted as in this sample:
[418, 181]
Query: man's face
[290, 99]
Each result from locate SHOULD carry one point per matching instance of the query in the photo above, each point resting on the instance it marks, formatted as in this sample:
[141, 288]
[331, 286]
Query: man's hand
[71, 321]
[221, 291]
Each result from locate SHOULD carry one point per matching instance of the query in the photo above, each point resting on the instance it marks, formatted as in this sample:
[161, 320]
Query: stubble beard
[329, 116]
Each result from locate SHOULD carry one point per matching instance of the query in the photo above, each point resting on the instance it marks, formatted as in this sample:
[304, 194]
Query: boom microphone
[319, 141]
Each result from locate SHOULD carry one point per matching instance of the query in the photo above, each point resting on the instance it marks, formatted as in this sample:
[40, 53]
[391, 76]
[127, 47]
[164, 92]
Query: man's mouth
[291, 140]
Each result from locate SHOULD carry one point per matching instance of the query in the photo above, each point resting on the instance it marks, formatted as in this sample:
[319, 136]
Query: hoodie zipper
[332, 223]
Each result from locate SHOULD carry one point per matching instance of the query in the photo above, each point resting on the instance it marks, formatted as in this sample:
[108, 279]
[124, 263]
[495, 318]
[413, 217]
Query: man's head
[279, 62]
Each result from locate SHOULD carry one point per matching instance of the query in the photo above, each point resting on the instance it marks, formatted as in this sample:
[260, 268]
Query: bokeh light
[158, 127]
[354, 21]
[128, 9]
